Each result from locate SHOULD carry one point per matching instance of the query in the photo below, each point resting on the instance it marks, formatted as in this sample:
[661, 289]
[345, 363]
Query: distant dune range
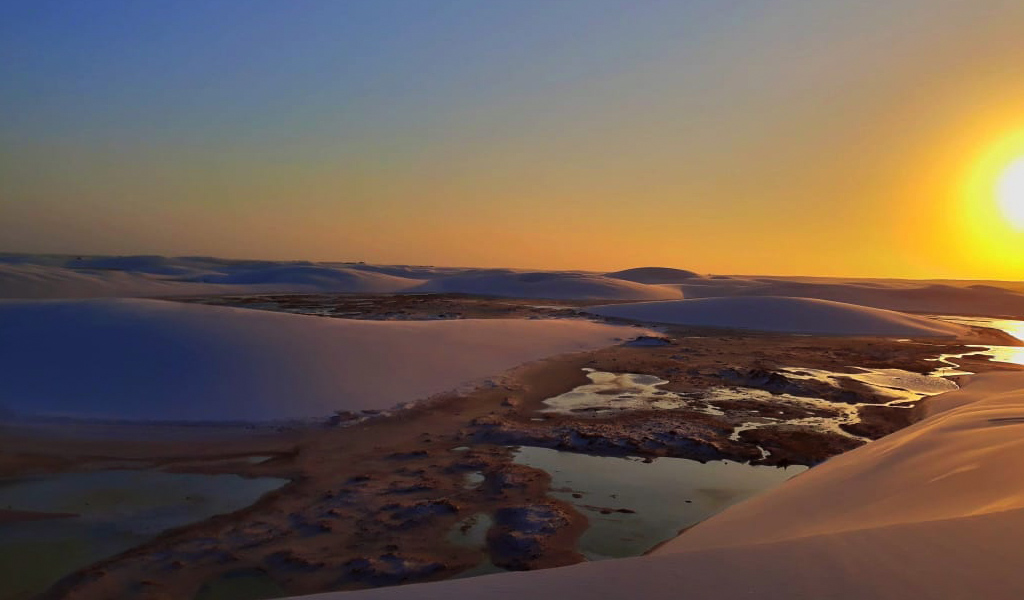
[51, 276]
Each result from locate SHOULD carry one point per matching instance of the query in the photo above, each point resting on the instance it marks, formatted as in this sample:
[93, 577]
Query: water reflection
[1006, 354]
[612, 393]
[110, 512]
[471, 532]
[633, 504]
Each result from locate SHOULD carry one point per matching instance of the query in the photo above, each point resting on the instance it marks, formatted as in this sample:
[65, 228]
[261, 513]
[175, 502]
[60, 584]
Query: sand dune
[790, 315]
[152, 276]
[152, 359]
[655, 275]
[318, 277]
[546, 284]
[935, 297]
[421, 272]
[44, 281]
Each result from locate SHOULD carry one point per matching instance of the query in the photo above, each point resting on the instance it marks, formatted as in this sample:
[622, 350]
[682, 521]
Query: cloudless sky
[816, 137]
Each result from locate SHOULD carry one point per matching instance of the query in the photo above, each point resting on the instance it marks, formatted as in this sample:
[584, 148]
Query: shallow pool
[611, 393]
[633, 504]
[112, 512]
[1007, 354]
[471, 532]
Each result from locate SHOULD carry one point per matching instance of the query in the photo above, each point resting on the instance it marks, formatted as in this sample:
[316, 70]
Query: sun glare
[989, 224]
[1010, 192]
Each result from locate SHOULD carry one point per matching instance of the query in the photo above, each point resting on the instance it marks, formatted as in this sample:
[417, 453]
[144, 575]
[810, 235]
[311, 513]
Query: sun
[986, 223]
[1010, 193]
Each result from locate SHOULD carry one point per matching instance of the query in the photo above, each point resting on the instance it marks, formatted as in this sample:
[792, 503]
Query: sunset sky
[804, 137]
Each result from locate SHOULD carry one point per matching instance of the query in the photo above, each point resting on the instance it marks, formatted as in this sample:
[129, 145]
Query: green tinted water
[115, 511]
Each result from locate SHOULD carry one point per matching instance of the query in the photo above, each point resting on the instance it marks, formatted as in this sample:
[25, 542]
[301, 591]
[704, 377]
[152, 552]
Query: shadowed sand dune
[656, 275]
[546, 284]
[1004, 298]
[790, 315]
[153, 359]
[159, 278]
[318, 277]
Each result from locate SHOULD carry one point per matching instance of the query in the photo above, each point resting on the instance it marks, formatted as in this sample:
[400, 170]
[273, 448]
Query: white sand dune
[655, 275]
[153, 359]
[158, 276]
[421, 272]
[318, 277]
[546, 284]
[790, 315]
[933, 511]
[44, 281]
[995, 298]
